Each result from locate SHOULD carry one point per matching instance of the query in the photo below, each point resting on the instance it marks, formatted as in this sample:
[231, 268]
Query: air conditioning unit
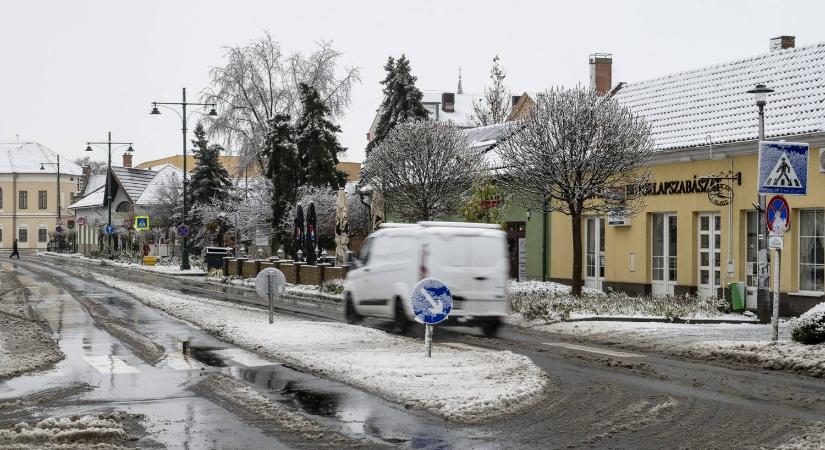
[822, 160]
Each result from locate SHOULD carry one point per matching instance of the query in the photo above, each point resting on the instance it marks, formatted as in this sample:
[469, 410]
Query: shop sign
[697, 185]
[618, 217]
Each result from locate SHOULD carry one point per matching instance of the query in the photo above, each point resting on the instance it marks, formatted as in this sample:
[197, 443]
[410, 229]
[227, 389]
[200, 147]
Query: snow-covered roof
[133, 181]
[168, 174]
[686, 109]
[463, 107]
[93, 199]
[27, 157]
[93, 183]
[485, 139]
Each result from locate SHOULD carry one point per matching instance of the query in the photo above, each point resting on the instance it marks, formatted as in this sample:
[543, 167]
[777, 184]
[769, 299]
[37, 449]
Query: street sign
[81, 221]
[783, 168]
[431, 301]
[778, 215]
[776, 242]
[58, 228]
[110, 229]
[270, 284]
[141, 222]
[71, 224]
[183, 230]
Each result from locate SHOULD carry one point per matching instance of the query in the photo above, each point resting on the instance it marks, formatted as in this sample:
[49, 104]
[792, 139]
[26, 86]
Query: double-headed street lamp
[184, 257]
[108, 191]
[762, 263]
[59, 206]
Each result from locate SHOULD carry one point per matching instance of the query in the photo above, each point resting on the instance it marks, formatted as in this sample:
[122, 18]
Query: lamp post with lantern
[108, 189]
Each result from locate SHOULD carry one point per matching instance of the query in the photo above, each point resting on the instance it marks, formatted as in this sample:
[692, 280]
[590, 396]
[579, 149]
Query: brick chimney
[448, 101]
[84, 178]
[127, 160]
[782, 42]
[601, 72]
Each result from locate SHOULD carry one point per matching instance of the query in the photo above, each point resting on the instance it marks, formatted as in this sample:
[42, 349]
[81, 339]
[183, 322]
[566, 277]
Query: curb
[700, 321]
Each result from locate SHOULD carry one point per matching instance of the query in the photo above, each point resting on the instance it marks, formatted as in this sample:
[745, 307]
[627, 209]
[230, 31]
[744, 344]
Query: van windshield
[466, 251]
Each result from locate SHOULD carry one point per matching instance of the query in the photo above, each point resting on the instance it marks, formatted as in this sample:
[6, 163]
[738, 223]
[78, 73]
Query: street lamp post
[763, 262]
[184, 257]
[108, 189]
[59, 222]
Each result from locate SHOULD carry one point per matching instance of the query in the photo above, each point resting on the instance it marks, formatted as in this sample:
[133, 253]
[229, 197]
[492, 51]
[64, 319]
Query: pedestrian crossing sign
[141, 222]
[783, 168]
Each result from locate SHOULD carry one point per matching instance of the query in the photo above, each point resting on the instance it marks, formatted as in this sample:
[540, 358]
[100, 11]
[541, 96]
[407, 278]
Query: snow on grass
[89, 430]
[745, 344]
[460, 383]
[170, 269]
[552, 302]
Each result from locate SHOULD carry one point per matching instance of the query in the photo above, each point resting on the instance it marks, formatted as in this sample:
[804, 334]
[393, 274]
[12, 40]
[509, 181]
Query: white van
[470, 258]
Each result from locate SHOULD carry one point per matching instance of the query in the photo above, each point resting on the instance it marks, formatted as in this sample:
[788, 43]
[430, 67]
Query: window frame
[23, 200]
[799, 262]
[42, 199]
[26, 240]
[45, 232]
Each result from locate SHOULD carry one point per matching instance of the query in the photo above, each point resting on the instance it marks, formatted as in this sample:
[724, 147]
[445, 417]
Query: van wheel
[402, 324]
[490, 327]
[350, 315]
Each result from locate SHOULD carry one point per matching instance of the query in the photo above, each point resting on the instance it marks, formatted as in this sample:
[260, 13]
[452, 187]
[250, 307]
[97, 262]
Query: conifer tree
[281, 155]
[209, 178]
[402, 99]
[317, 143]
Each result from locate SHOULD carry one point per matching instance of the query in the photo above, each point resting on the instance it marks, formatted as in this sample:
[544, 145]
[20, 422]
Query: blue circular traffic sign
[183, 230]
[778, 214]
[431, 301]
[110, 229]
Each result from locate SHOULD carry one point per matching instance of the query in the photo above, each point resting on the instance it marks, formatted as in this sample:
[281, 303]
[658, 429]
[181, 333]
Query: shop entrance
[663, 255]
[710, 258]
[516, 249]
[594, 246]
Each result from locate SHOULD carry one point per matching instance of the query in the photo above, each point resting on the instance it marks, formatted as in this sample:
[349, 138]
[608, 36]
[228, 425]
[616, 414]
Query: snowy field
[460, 383]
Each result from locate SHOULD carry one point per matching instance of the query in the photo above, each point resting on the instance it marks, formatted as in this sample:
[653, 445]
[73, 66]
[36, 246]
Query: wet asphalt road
[599, 398]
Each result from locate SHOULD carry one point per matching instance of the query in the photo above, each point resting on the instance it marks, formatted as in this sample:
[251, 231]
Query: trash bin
[215, 255]
[737, 295]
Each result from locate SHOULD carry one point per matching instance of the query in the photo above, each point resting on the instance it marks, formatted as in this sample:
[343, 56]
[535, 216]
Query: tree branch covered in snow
[495, 107]
[422, 168]
[246, 209]
[260, 81]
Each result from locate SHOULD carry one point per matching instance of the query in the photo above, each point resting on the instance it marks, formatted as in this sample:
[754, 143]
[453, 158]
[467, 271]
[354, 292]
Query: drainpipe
[14, 206]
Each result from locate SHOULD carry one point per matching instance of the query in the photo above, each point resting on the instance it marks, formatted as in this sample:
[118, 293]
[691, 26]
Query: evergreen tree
[283, 168]
[402, 99]
[317, 143]
[209, 178]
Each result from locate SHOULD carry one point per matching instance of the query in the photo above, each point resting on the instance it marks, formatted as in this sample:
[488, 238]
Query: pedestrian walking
[14, 251]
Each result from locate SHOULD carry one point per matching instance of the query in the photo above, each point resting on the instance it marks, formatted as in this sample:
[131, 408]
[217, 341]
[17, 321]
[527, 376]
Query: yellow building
[232, 165]
[29, 194]
[704, 123]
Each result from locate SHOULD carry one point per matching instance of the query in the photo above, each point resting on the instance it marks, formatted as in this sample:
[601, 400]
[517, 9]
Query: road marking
[109, 364]
[583, 348]
[244, 358]
[180, 362]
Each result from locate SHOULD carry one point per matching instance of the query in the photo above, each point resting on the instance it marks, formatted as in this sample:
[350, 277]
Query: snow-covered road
[460, 383]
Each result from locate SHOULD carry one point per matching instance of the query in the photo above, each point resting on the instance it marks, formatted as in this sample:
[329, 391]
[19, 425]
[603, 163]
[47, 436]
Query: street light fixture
[761, 92]
[184, 257]
[108, 191]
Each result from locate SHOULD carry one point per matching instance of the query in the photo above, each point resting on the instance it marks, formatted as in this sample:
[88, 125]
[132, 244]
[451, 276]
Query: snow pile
[85, 429]
[809, 328]
[552, 302]
[780, 355]
[460, 383]
[811, 439]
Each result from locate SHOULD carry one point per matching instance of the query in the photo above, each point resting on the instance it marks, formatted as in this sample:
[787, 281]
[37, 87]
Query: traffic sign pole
[775, 316]
[270, 276]
[431, 302]
[428, 340]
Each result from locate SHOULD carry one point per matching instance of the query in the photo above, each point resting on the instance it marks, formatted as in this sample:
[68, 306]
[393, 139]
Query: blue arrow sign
[783, 168]
[431, 301]
[110, 229]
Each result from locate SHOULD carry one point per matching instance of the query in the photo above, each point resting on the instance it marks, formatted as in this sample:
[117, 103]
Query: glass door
[750, 259]
[710, 258]
[663, 254]
[594, 252]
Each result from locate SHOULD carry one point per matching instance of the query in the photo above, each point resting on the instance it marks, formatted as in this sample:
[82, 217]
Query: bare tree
[495, 107]
[577, 153]
[246, 209]
[98, 167]
[422, 168]
[259, 81]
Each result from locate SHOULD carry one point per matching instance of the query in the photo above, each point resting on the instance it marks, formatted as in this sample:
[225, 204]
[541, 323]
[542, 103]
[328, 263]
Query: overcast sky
[73, 70]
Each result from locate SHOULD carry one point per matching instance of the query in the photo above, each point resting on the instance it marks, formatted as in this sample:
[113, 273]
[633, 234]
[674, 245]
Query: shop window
[23, 200]
[812, 250]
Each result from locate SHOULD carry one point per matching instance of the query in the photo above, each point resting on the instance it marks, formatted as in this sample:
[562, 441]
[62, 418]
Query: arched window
[123, 207]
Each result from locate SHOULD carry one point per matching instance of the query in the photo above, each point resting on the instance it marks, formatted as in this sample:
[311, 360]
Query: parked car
[470, 258]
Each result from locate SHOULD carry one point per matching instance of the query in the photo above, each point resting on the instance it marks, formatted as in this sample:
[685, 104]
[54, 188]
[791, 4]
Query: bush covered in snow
[552, 302]
[809, 328]
[334, 286]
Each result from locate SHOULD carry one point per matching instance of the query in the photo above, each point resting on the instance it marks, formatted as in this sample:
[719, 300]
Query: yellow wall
[621, 241]
[12, 217]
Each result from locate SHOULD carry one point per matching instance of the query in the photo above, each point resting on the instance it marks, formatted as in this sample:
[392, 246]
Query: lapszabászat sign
[696, 185]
